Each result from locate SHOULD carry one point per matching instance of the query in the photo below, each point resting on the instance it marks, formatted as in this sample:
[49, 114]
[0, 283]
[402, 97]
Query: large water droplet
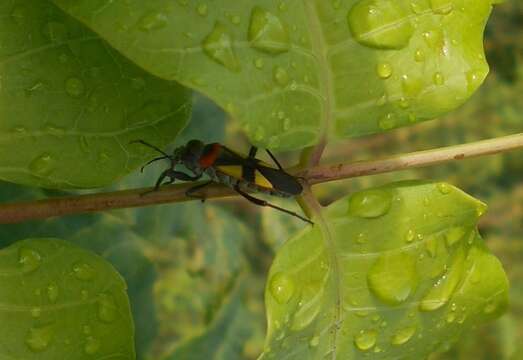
[384, 70]
[380, 24]
[366, 339]
[39, 338]
[442, 7]
[106, 308]
[42, 165]
[267, 33]
[392, 278]
[83, 271]
[92, 345]
[370, 203]
[440, 294]
[309, 306]
[29, 259]
[403, 336]
[281, 288]
[218, 45]
[75, 87]
[153, 21]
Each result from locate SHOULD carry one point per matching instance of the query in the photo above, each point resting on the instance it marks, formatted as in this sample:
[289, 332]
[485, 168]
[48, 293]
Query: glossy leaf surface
[392, 272]
[58, 300]
[291, 71]
[70, 104]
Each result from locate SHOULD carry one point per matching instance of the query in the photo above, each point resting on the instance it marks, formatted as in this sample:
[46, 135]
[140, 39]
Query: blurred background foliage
[196, 272]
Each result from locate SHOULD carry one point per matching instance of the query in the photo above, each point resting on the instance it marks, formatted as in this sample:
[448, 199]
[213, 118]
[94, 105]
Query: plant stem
[413, 160]
[42, 209]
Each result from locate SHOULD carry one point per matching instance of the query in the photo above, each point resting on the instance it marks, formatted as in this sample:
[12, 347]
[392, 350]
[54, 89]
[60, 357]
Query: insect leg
[150, 146]
[191, 192]
[252, 152]
[261, 202]
[274, 159]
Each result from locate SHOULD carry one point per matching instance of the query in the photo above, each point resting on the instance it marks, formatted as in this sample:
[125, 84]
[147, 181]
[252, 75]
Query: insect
[225, 166]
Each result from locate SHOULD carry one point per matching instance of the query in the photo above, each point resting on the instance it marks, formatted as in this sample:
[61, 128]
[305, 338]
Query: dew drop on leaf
[52, 292]
[92, 345]
[419, 56]
[393, 278]
[153, 21]
[444, 188]
[29, 259]
[42, 165]
[75, 87]
[443, 7]
[411, 85]
[365, 339]
[218, 45]
[39, 338]
[370, 203]
[384, 70]
[259, 63]
[314, 341]
[281, 288]
[267, 33]
[83, 271]
[402, 336]
[281, 77]
[438, 79]
[440, 293]
[106, 308]
[380, 24]
[387, 122]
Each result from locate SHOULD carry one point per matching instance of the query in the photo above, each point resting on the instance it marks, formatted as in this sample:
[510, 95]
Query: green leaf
[392, 272]
[70, 104]
[58, 300]
[291, 71]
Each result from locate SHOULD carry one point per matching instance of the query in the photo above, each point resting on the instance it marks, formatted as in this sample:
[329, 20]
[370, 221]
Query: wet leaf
[396, 278]
[58, 300]
[291, 71]
[71, 104]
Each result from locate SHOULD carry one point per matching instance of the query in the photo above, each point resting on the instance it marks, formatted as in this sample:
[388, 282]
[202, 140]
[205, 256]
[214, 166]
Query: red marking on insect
[208, 158]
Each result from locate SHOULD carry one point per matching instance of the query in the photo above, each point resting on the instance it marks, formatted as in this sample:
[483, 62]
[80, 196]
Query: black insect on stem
[244, 174]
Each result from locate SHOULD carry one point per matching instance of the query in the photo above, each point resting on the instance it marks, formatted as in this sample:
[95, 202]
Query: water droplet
[392, 278]
[451, 317]
[442, 7]
[474, 79]
[281, 288]
[419, 56]
[39, 338]
[314, 341]
[438, 79]
[218, 46]
[36, 312]
[410, 236]
[370, 203]
[75, 87]
[83, 271]
[434, 39]
[366, 339]
[444, 188]
[29, 259]
[92, 345]
[106, 308]
[267, 33]
[403, 103]
[202, 9]
[281, 76]
[403, 336]
[153, 21]
[310, 300]
[455, 234]
[387, 122]
[259, 63]
[443, 289]
[384, 70]
[380, 24]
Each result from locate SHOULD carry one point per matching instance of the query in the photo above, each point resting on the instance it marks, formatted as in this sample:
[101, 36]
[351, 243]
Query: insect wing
[280, 180]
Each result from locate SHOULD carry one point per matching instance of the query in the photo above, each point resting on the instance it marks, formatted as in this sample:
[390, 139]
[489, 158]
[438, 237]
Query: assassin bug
[224, 166]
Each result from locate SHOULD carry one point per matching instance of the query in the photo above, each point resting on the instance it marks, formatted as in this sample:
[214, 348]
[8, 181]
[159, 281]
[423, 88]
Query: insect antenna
[151, 146]
[154, 160]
